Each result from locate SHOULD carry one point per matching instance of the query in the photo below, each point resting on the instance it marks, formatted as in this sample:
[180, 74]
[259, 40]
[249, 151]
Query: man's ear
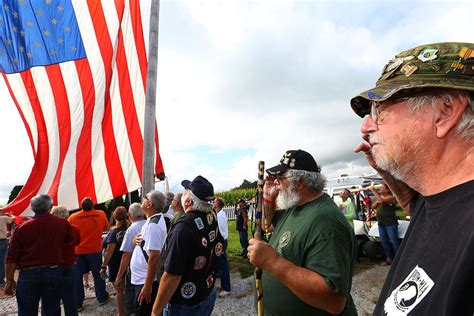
[449, 111]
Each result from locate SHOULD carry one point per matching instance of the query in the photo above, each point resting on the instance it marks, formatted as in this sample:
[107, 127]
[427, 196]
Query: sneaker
[104, 301]
[224, 293]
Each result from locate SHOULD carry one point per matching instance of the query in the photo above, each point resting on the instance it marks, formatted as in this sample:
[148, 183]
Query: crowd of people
[418, 133]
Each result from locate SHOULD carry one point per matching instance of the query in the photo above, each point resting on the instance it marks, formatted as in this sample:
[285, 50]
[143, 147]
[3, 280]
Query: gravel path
[366, 285]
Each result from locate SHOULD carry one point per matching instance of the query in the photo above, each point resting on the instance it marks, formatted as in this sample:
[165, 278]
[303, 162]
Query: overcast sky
[243, 81]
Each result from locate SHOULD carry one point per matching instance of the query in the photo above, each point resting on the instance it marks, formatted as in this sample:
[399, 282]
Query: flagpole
[148, 173]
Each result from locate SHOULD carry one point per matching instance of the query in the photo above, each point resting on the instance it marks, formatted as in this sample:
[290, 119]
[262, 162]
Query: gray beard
[288, 198]
[401, 166]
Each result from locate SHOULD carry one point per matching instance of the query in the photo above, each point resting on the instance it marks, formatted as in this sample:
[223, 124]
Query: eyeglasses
[374, 107]
[280, 177]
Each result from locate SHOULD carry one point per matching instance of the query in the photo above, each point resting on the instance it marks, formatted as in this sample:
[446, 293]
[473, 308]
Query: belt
[43, 266]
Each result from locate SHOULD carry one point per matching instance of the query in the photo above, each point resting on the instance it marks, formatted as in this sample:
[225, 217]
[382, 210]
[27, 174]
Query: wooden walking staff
[259, 235]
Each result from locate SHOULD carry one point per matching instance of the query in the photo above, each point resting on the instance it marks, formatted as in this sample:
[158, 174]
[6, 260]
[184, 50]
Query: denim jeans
[201, 309]
[389, 232]
[244, 240]
[3, 254]
[90, 262]
[145, 308]
[224, 269]
[68, 290]
[39, 283]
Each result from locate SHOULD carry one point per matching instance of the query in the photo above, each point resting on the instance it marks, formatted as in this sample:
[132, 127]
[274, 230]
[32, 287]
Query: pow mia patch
[199, 223]
[204, 241]
[199, 263]
[188, 290]
[212, 235]
[409, 293]
[210, 218]
[218, 249]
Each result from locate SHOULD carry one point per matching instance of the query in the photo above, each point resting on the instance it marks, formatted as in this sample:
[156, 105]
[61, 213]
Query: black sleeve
[416, 203]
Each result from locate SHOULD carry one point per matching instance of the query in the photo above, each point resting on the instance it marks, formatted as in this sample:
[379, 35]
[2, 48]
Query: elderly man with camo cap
[418, 133]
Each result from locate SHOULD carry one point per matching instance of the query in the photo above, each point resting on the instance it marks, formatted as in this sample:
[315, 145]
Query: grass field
[237, 263]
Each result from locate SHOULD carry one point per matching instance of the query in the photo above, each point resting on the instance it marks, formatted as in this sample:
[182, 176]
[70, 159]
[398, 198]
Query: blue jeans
[3, 254]
[90, 262]
[224, 269]
[389, 232]
[39, 283]
[203, 308]
[244, 240]
[68, 291]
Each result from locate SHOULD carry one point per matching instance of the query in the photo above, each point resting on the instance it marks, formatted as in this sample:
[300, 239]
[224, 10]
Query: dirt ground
[366, 285]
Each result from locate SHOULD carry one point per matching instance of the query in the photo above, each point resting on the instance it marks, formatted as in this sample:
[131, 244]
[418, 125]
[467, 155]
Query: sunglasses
[375, 107]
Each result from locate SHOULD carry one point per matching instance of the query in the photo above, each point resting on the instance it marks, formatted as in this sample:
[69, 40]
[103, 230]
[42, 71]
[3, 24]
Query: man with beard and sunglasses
[418, 130]
[308, 261]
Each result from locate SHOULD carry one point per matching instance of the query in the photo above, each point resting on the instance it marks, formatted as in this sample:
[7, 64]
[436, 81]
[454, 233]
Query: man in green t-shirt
[309, 259]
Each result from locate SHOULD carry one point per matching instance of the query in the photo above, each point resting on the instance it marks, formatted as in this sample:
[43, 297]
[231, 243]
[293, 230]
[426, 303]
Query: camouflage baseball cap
[440, 65]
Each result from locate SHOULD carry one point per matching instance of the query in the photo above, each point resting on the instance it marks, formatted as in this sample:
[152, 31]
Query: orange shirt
[91, 225]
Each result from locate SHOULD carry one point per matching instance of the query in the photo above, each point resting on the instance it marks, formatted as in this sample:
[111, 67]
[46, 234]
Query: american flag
[76, 71]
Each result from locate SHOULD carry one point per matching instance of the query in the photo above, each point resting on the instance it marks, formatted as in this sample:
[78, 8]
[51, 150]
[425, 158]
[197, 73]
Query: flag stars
[54, 21]
[52, 52]
[22, 33]
[46, 33]
[2, 22]
[15, 14]
[60, 8]
[29, 23]
[60, 41]
[15, 60]
[14, 29]
[48, 2]
[2, 52]
[67, 29]
[21, 2]
[6, 7]
[8, 41]
[73, 48]
[39, 12]
[21, 49]
[29, 54]
[37, 44]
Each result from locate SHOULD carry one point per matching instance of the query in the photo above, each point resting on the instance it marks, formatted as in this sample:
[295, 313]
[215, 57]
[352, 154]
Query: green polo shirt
[315, 236]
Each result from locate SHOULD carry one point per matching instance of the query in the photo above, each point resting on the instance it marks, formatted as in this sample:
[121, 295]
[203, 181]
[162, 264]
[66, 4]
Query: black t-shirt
[433, 272]
[386, 214]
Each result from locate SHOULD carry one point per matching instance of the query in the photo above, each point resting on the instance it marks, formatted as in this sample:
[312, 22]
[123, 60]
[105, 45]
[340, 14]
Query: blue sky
[243, 81]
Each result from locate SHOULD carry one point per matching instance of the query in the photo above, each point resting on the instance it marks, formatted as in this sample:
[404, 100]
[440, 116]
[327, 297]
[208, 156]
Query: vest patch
[219, 249]
[199, 262]
[199, 223]
[209, 281]
[212, 235]
[210, 218]
[204, 241]
[188, 290]
[409, 293]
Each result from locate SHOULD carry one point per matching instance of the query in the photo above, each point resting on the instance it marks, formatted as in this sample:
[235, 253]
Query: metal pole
[148, 172]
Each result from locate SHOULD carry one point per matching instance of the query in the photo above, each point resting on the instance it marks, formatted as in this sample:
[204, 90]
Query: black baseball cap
[200, 187]
[297, 160]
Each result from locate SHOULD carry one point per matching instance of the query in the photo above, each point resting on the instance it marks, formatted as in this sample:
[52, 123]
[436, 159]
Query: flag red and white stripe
[85, 118]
